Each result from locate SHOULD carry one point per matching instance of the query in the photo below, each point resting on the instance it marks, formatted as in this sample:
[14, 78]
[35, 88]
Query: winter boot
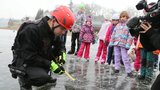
[116, 71]
[102, 61]
[75, 54]
[96, 59]
[130, 75]
[52, 80]
[70, 52]
[24, 85]
[87, 59]
[140, 77]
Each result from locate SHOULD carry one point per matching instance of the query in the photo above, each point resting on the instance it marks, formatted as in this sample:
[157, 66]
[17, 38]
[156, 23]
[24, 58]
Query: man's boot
[23, 84]
[75, 54]
[51, 83]
[53, 80]
[70, 52]
[77, 50]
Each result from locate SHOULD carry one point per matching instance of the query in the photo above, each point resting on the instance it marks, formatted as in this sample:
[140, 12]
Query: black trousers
[156, 84]
[110, 55]
[36, 76]
[64, 38]
[75, 36]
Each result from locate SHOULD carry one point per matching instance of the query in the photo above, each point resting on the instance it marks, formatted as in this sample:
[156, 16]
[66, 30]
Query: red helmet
[64, 16]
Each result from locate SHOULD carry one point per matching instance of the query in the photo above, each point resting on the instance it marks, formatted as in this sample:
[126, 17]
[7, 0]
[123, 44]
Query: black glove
[60, 70]
[61, 59]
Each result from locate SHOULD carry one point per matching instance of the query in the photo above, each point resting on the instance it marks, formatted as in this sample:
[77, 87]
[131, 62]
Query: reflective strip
[64, 56]
[54, 66]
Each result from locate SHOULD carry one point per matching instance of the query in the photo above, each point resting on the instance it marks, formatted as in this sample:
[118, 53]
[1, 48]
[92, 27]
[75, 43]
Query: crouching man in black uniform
[38, 49]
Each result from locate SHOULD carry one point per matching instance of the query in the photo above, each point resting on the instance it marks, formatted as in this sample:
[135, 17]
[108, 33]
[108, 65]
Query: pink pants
[86, 46]
[137, 61]
[102, 47]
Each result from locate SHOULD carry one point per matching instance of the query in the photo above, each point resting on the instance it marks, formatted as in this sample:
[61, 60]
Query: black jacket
[151, 39]
[36, 45]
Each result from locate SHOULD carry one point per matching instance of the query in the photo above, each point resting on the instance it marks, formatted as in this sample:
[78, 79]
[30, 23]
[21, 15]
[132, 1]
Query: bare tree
[46, 13]
[39, 14]
[10, 22]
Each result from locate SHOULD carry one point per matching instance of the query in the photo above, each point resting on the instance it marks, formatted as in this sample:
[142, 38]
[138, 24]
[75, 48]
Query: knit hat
[89, 18]
[115, 17]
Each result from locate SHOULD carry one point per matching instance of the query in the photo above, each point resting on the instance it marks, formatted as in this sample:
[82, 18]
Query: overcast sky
[20, 8]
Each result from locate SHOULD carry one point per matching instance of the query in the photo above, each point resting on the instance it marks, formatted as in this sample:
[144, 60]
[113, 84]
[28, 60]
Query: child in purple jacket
[121, 40]
[86, 38]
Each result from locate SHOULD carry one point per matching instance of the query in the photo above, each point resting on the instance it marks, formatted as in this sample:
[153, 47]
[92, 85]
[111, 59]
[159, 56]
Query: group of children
[114, 43]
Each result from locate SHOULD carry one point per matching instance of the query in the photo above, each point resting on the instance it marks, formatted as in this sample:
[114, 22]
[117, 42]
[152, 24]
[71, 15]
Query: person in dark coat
[38, 49]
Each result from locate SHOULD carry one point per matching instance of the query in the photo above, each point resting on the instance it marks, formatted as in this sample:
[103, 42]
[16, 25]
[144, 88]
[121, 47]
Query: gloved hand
[57, 68]
[61, 59]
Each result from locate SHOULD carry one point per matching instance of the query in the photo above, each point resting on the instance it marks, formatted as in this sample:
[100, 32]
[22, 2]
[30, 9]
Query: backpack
[16, 67]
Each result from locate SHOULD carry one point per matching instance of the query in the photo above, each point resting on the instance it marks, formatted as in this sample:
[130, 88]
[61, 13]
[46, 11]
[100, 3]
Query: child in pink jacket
[86, 38]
